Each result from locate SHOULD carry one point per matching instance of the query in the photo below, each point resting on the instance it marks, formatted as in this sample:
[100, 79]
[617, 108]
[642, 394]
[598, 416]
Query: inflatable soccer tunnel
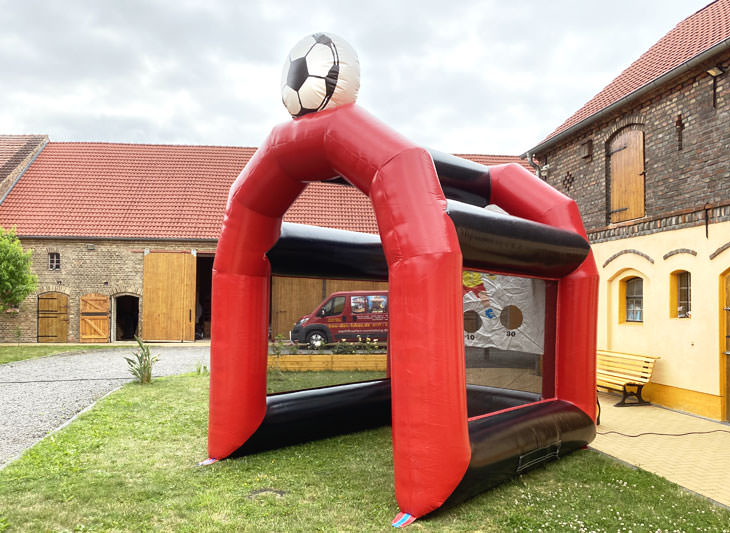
[450, 440]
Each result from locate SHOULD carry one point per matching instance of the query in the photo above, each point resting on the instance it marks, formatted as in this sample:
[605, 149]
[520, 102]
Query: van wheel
[316, 339]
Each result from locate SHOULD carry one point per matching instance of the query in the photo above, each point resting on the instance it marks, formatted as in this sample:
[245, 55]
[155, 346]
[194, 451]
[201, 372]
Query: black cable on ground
[663, 434]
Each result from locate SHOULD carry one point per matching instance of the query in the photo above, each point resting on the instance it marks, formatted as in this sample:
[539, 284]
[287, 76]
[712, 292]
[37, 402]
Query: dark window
[334, 306]
[634, 300]
[54, 261]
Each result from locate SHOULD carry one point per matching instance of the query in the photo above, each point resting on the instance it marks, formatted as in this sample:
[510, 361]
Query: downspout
[532, 163]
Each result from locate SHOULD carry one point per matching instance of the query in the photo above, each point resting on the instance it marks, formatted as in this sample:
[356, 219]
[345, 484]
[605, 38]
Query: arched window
[625, 153]
[680, 294]
[634, 300]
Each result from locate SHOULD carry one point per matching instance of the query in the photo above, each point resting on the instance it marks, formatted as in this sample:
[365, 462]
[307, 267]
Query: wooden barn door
[52, 317]
[94, 322]
[290, 299]
[626, 156]
[168, 298]
[293, 297]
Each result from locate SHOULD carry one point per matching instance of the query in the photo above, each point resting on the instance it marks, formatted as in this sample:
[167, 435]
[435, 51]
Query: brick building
[648, 162]
[123, 237]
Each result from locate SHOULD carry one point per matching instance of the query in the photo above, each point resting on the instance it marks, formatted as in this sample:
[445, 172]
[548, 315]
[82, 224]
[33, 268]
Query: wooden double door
[52, 317]
[168, 300]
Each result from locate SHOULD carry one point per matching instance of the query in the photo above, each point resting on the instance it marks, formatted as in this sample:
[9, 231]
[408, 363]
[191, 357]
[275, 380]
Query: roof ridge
[166, 145]
[693, 14]
[486, 155]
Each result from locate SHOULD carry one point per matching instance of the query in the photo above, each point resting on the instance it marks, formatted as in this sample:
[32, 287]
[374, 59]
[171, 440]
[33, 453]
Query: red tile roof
[694, 35]
[491, 160]
[104, 190]
[333, 206]
[124, 190]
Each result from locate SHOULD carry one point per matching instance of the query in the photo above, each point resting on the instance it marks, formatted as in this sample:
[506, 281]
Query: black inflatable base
[522, 433]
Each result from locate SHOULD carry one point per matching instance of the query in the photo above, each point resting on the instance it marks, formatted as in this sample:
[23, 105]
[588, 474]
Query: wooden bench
[624, 372]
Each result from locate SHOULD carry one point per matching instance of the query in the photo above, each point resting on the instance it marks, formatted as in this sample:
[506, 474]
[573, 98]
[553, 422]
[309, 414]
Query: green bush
[16, 279]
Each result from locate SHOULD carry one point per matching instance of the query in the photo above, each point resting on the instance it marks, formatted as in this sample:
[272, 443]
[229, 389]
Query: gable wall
[684, 190]
[678, 181]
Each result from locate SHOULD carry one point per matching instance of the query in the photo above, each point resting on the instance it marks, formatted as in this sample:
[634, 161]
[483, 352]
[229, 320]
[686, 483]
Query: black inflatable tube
[313, 251]
[312, 414]
[489, 241]
[481, 399]
[461, 179]
[495, 241]
[513, 442]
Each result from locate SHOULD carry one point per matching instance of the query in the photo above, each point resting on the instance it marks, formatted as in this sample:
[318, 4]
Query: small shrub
[342, 347]
[201, 369]
[140, 366]
[278, 345]
[371, 345]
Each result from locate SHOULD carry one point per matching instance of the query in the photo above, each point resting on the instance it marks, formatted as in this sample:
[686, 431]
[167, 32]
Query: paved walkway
[39, 395]
[700, 462]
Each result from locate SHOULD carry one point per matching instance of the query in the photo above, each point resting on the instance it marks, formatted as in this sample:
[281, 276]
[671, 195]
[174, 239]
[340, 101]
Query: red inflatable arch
[434, 440]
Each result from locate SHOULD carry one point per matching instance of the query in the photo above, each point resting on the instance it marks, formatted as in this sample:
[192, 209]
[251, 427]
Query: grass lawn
[20, 352]
[129, 465]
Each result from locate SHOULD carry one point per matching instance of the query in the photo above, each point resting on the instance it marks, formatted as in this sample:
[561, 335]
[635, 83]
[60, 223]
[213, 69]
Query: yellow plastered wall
[691, 373]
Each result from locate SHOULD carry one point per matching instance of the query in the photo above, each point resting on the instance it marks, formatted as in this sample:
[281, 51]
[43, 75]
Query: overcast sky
[492, 76]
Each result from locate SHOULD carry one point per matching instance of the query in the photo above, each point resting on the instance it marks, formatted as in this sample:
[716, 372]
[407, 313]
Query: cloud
[473, 76]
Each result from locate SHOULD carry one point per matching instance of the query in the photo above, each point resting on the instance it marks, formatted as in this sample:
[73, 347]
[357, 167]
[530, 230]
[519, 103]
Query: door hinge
[617, 150]
[612, 211]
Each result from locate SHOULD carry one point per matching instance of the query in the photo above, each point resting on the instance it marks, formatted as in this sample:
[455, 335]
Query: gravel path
[39, 395]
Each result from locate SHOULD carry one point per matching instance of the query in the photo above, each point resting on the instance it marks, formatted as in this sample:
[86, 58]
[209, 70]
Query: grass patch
[129, 465]
[20, 352]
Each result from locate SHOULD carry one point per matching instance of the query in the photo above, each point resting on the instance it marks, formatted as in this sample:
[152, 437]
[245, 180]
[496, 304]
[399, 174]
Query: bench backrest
[638, 368]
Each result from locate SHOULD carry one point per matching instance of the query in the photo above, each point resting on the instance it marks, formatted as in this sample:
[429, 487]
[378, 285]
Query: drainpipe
[532, 163]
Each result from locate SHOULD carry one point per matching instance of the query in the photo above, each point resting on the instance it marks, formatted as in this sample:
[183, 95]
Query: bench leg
[629, 393]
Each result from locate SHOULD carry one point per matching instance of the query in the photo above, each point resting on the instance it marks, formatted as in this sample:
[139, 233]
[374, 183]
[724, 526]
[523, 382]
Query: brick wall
[87, 266]
[679, 183]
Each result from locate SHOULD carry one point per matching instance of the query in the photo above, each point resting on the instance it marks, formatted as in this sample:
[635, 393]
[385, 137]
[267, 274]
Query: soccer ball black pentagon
[321, 72]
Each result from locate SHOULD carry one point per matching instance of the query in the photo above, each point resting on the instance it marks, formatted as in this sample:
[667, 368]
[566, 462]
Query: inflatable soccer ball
[321, 72]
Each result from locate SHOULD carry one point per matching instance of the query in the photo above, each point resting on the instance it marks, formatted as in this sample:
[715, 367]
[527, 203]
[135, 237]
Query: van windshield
[334, 306]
